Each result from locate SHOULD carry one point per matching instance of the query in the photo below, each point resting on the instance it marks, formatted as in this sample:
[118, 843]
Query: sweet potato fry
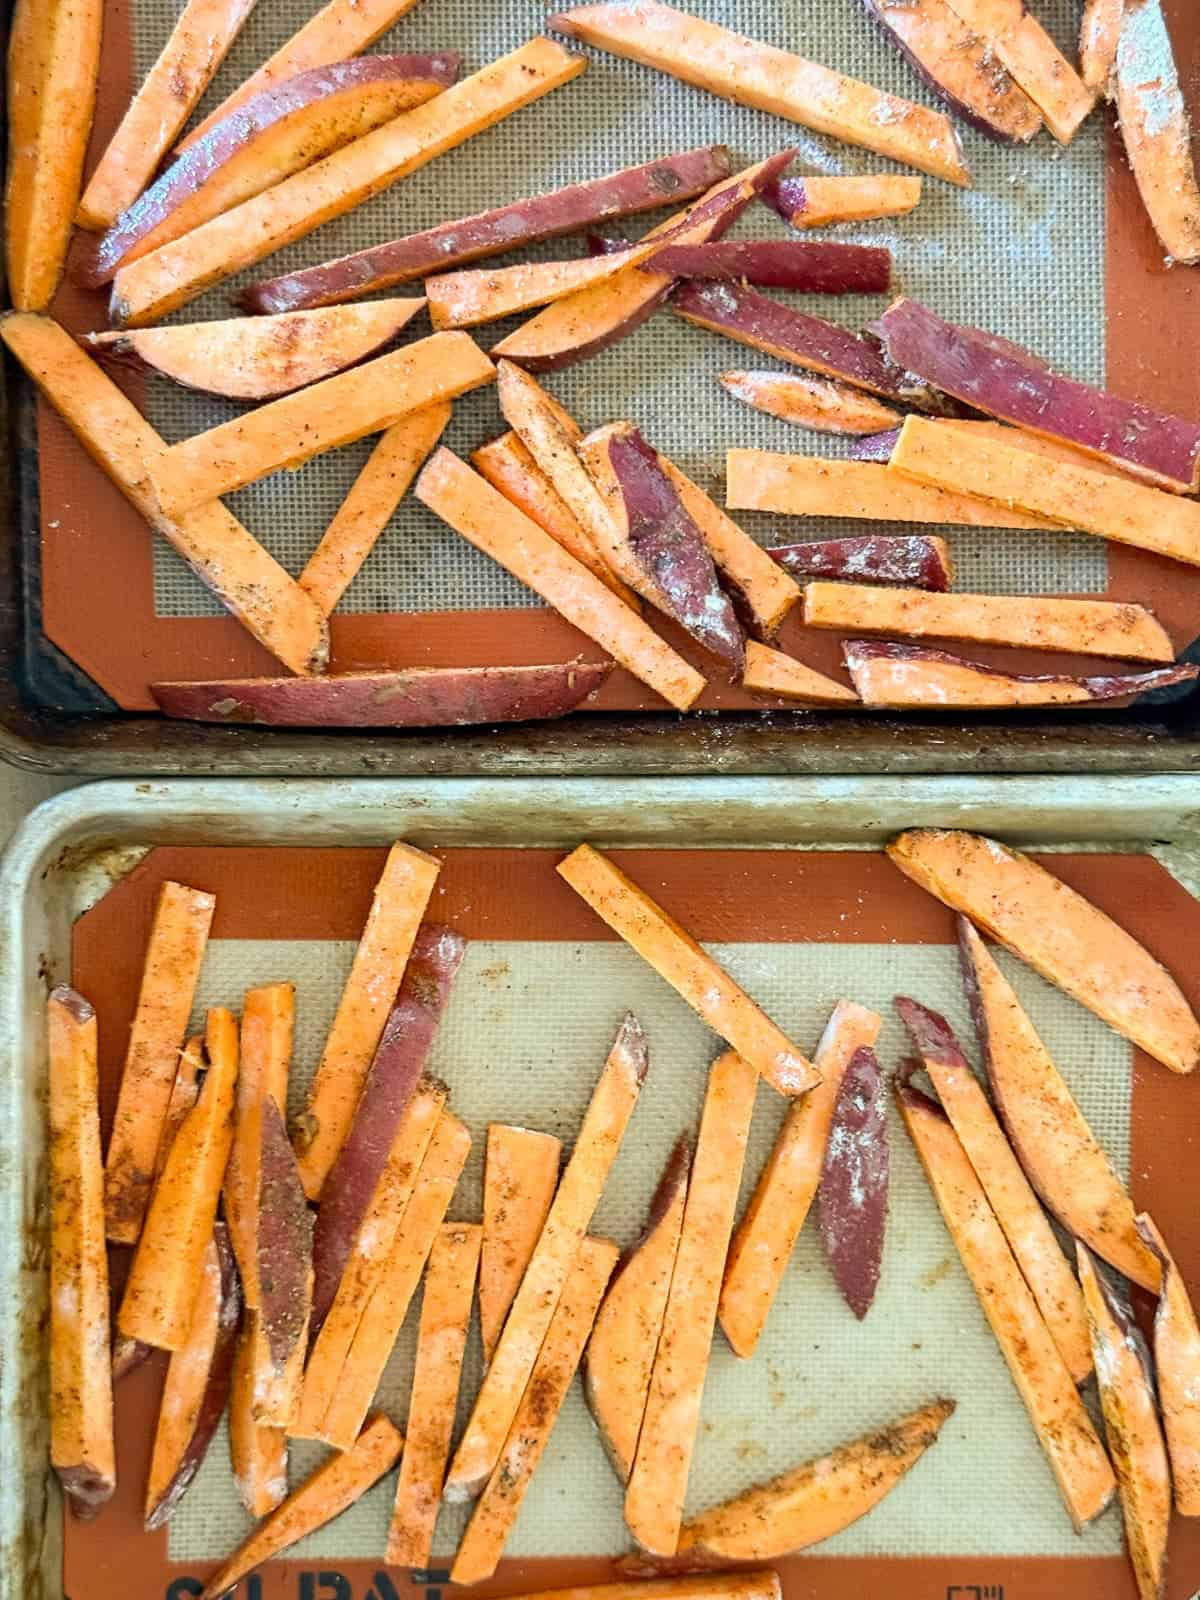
[53, 66]
[1011, 35]
[620, 1351]
[464, 299]
[770, 79]
[145, 290]
[814, 1501]
[915, 561]
[1062, 1158]
[157, 1304]
[283, 1275]
[1177, 1364]
[221, 552]
[763, 1241]
[522, 222]
[677, 958]
[814, 201]
[1008, 1191]
[1059, 1418]
[483, 516]
[337, 411]
[397, 906]
[257, 1454]
[441, 1342]
[199, 42]
[336, 1484]
[174, 952]
[658, 1479]
[1061, 935]
[817, 486]
[1131, 1426]
[81, 1381]
[779, 676]
[1156, 129]
[852, 1196]
[570, 1212]
[520, 1176]
[1002, 433]
[820, 403]
[1099, 33]
[782, 264]
[1038, 622]
[499, 1505]
[760, 1585]
[268, 1017]
[197, 1384]
[388, 1306]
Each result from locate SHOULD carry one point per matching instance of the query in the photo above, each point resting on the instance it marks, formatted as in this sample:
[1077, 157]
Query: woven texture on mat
[1021, 253]
[524, 1037]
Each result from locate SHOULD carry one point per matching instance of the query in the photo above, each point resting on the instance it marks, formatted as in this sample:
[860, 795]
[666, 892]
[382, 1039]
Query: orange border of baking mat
[782, 896]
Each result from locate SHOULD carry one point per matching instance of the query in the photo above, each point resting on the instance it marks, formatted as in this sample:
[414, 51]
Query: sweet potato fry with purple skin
[1014, 39]
[959, 66]
[1177, 1363]
[521, 222]
[814, 201]
[1156, 129]
[853, 1195]
[820, 403]
[918, 561]
[781, 264]
[415, 697]
[400, 1058]
[997, 378]
[875, 447]
[284, 1274]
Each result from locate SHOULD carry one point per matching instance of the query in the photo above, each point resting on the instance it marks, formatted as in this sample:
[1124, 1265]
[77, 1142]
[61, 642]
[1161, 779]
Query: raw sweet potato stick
[913, 561]
[820, 403]
[778, 676]
[82, 1451]
[852, 1197]
[578, 1193]
[258, 1454]
[1099, 34]
[283, 1274]
[184, 1093]
[693, 974]
[813, 201]
[174, 952]
[1177, 1368]
[441, 1343]
[397, 906]
[486, 294]
[268, 1017]
[1013, 36]
[1156, 130]
[760, 1585]
[499, 1505]
[520, 1175]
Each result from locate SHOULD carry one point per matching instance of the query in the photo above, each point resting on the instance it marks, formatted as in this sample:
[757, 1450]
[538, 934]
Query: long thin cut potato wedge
[813, 201]
[170, 276]
[82, 1450]
[336, 1484]
[912, 561]
[221, 552]
[1061, 935]
[1099, 35]
[1008, 1191]
[658, 1479]
[441, 1344]
[770, 79]
[520, 1175]
[814, 1501]
[499, 1505]
[760, 1585]
[1177, 1367]
[1061, 1422]
[265, 1053]
[775, 675]
[582, 1184]
[397, 906]
[852, 1197]
[1131, 1427]
[184, 1093]
[1156, 129]
[258, 1454]
[693, 974]
[820, 403]
[1014, 37]
[465, 299]
[174, 952]
[283, 1274]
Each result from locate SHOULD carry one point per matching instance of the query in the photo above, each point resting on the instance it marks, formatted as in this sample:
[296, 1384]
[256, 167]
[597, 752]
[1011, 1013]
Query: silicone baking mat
[1049, 247]
[524, 1037]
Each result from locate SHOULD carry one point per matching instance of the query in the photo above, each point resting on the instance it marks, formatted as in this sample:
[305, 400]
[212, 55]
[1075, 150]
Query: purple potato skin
[853, 1193]
[233, 133]
[998, 378]
[910, 561]
[875, 446]
[216, 1393]
[931, 1034]
[416, 697]
[603, 244]
[524, 222]
[671, 549]
[813, 268]
[394, 1074]
[285, 1241]
[1101, 686]
[787, 196]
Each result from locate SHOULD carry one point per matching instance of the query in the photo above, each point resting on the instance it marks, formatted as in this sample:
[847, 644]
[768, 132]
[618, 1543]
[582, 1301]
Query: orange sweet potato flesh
[813, 201]
[814, 1501]
[520, 1175]
[441, 1343]
[1177, 1367]
[692, 973]
[1099, 34]
[1132, 1428]
[779, 676]
[1017, 39]
[578, 1193]
[53, 66]
[156, 1307]
[82, 1451]
[658, 1479]
[764, 1239]
[184, 1093]
[620, 1352]
[268, 1018]
[499, 1505]
[397, 906]
[174, 952]
[334, 1486]
[1060, 934]
[1156, 130]
[760, 1585]
[222, 553]
[810, 402]
[481, 294]
[1062, 1424]
[257, 1454]
[283, 1239]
